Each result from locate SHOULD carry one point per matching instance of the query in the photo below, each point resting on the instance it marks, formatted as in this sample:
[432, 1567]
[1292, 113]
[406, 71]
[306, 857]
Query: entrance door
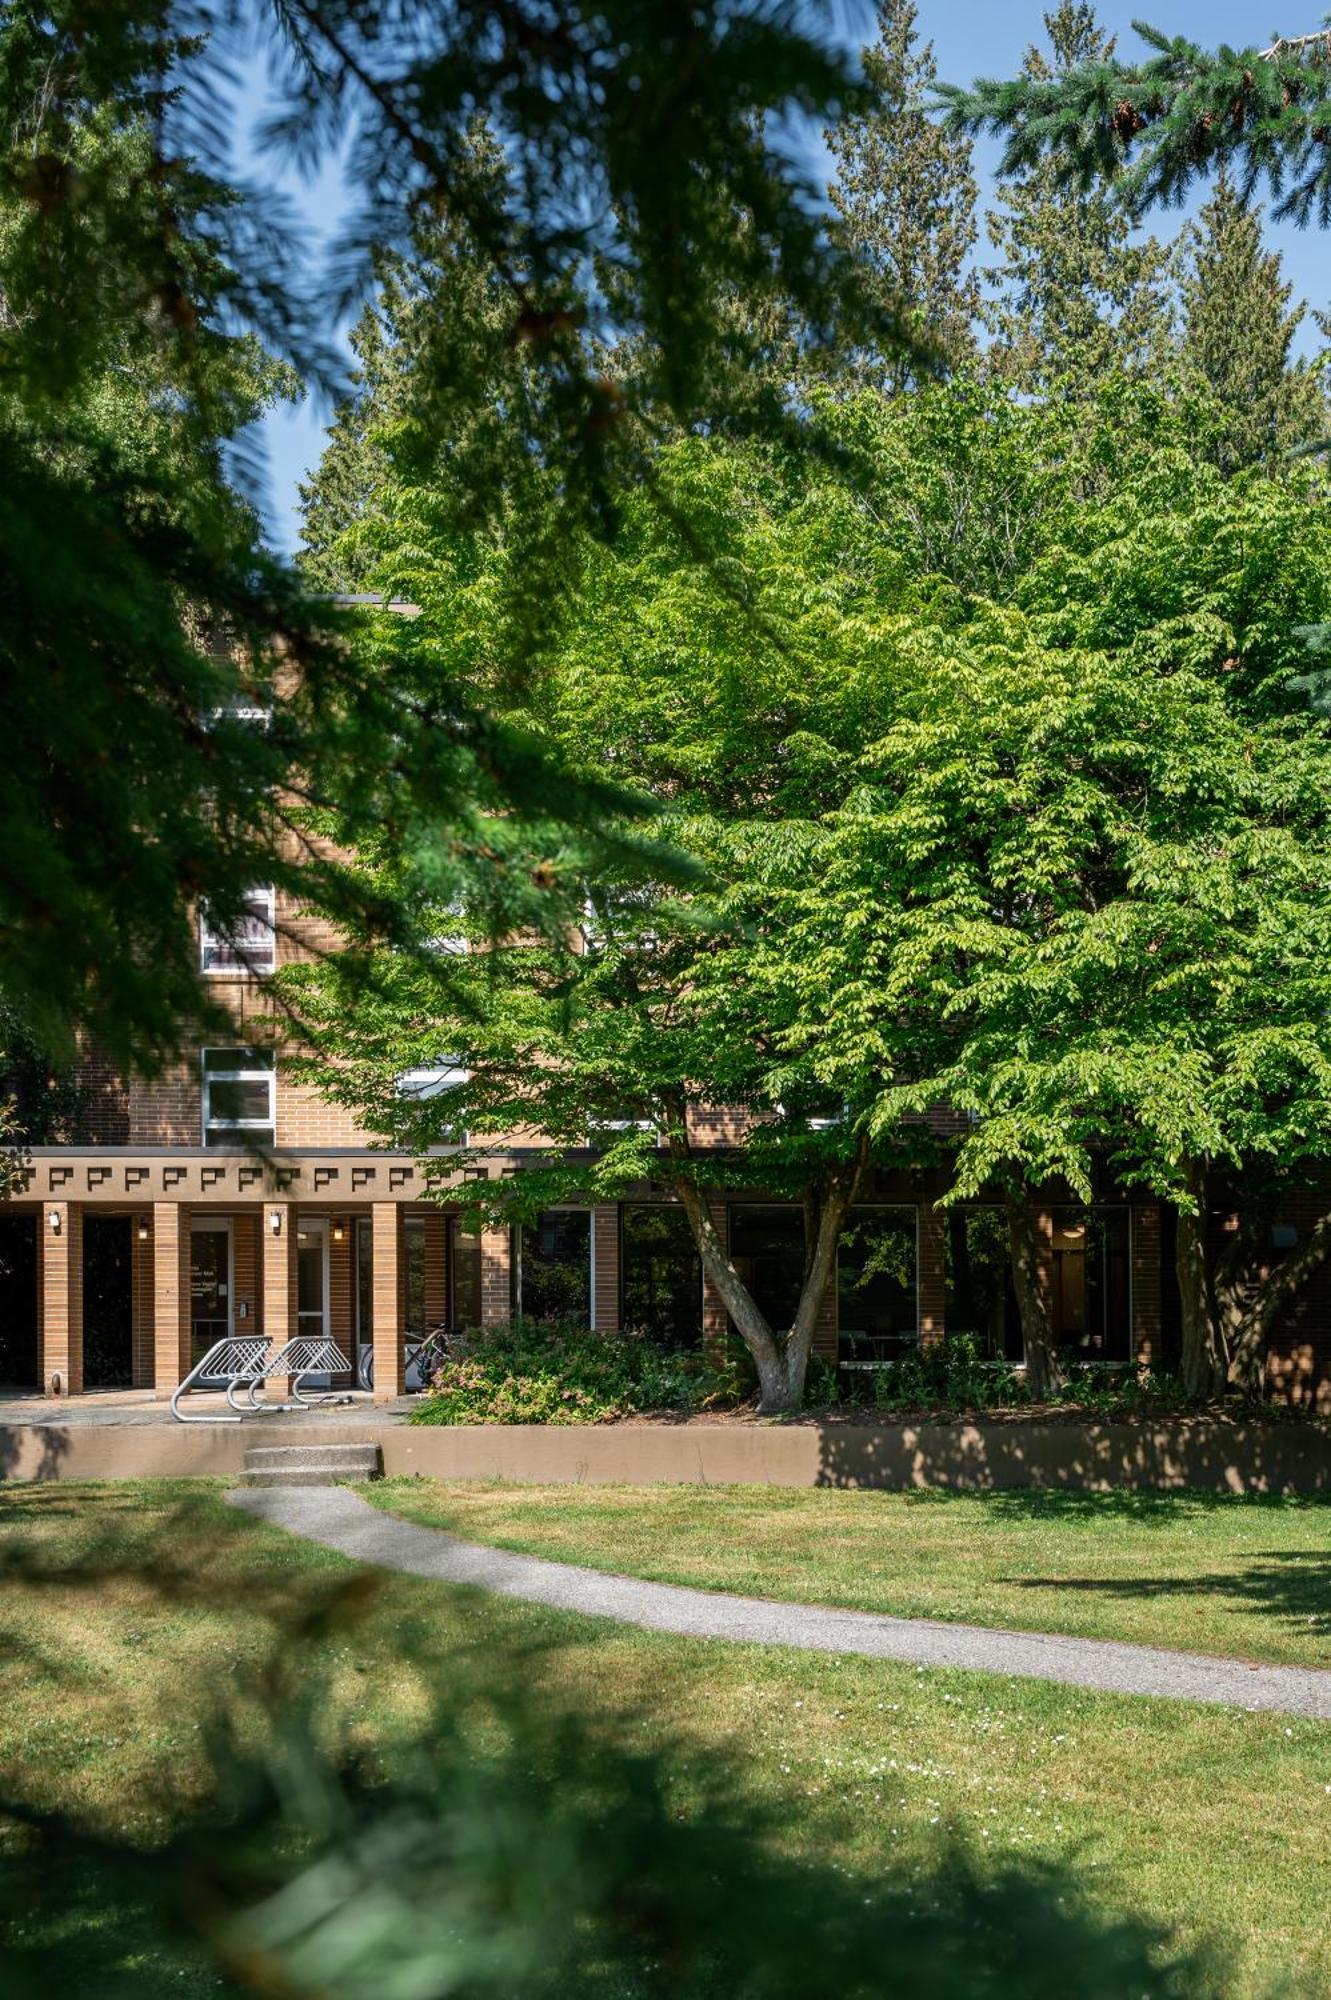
[209, 1285]
[312, 1279]
[18, 1301]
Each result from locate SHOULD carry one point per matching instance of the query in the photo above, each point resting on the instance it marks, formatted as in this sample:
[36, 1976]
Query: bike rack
[234, 1362]
[307, 1354]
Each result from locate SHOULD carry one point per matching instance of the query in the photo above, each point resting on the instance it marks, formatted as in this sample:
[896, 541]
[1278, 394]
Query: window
[1091, 1302]
[661, 1275]
[239, 1097]
[464, 1270]
[978, 1298]
[767, 1246]
[553, 1268]
[248, 945]
[433, 1079]
[877, 1317]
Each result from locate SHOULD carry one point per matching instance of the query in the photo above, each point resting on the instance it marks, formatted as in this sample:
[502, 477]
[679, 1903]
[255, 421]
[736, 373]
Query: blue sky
[971, 38]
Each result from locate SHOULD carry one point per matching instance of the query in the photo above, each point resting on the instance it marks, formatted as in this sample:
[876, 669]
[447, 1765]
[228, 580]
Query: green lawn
[1246, 1577]
[1216, 1822]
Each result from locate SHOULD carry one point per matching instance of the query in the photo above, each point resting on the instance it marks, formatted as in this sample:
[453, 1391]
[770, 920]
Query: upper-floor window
[433, 1079]
[249, 944]
[239, 1097]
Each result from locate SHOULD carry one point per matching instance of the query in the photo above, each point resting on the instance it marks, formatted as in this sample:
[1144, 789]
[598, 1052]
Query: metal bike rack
[230, 1363]
[307, 1354]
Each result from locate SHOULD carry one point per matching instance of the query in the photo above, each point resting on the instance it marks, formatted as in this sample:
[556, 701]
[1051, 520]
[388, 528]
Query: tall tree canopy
[905, 192]
[1074, 299]
[143, 614]
[1238, 327]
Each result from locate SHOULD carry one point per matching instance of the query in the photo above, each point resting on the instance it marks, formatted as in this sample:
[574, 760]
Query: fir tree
[905, 192]
[1076, 298]
[1238, 327]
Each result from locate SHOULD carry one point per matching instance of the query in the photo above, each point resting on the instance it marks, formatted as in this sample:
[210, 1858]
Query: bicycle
[425, 1356]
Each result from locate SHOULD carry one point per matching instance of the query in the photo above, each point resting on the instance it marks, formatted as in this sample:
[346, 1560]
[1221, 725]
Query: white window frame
[424, 1081]
[237, 958]
[239, 1073]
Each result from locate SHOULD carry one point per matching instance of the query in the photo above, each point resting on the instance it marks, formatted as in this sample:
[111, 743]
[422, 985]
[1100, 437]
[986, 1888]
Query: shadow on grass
[1293, 1586]
[509, 1845]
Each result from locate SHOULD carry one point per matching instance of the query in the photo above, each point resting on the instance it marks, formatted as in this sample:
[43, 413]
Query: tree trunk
[781, 1365]
[1203, 1349]
[1248, 1362]
[753, 1330]
[1043, 1373]
[831, 1212]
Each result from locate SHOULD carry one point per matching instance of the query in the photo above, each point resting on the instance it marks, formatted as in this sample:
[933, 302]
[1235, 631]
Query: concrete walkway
[338, 1519]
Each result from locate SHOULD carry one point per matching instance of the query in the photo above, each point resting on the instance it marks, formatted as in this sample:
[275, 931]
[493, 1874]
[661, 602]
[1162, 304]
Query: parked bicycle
[424, 1357]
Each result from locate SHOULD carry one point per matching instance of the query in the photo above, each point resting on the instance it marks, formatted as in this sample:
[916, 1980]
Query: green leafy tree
[1075, 300]
[735, 698]
[1237, 332]
[1090, 861]
[905, 193]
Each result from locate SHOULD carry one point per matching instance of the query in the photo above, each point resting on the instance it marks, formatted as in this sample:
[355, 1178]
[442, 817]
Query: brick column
[931, 1277]
[61, 1328]
[496, 1276]
[171, 1296]
[1144, 1222]
[1044, 1254]
[389, 1302]
[605, 1268]
[278, 1258]
[715, 1318]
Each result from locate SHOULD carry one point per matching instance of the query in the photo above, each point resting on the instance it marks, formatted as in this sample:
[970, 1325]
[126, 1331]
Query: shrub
[538, 1372]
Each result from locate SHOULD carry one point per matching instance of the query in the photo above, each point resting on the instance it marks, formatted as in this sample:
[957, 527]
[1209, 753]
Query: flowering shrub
[532, 1372]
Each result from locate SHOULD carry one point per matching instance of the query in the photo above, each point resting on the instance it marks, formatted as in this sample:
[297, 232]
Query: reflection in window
[239, 1097]
[767, 1249]
[464, 1264]
[877, 1314]
[661, 1275]
[979, 1299]
[413, 1255]
[1092, 1312]
[553, 1268]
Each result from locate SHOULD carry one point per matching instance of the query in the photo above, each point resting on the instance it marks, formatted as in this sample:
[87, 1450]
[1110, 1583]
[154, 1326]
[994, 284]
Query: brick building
[126, 1255]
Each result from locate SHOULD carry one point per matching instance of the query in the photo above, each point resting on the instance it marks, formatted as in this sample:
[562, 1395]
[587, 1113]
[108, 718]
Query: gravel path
[340, 1520]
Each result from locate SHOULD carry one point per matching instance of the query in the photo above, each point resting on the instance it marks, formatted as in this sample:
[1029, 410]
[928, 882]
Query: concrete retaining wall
[1225, 1458]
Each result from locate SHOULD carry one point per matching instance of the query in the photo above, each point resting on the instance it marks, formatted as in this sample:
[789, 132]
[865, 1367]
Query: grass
[1214, 1821]
[1250, 1578]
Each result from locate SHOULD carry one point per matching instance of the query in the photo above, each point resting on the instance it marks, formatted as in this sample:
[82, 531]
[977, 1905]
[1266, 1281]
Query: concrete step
[305, 1475]
[311, 1464]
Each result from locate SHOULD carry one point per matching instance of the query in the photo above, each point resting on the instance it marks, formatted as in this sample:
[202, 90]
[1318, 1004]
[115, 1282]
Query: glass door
[209, 1285]
[312, 1279]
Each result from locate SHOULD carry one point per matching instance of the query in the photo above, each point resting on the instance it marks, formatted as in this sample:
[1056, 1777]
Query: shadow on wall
[32, 1451]
[1097, 1458]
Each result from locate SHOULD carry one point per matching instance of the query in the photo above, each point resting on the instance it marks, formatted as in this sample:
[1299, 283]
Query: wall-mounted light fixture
[54, 1219]
[143, 1229]
[275, 1221]
[339, 1232]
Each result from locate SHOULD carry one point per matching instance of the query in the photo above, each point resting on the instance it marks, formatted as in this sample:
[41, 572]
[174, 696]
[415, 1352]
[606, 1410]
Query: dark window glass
[767, 1246]
[876, 1310]
[465, 1265]
[1092, 1312]
[554, 1275]
[979, 1298]
[210, 1287]
[661, 1275]
[364, 1279]
[413, 1250]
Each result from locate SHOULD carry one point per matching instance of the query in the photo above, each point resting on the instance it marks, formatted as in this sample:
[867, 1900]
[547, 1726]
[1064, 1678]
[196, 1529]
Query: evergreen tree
[1076, 298]
[1238, 327]
[905, 192]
